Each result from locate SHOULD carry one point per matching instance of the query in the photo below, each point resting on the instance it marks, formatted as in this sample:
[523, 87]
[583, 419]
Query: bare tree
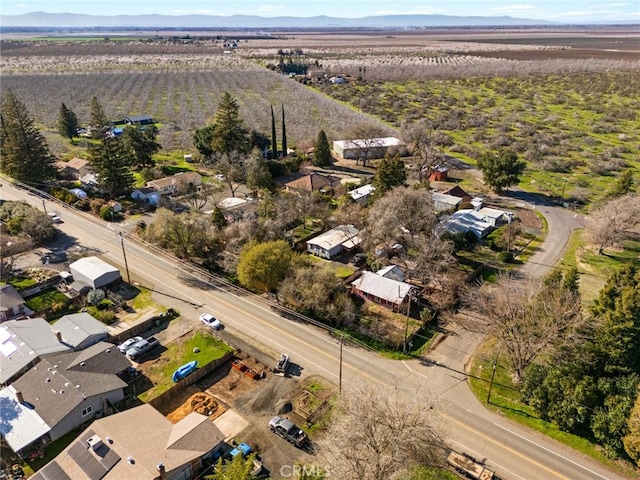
[418, 137]
[379, 433]
[528, 317]
[233, 166]
[366, 140]
[11, 252]
[614, 222]
[197, 199]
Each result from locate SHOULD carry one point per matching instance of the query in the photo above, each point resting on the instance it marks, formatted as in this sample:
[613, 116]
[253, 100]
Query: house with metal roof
[464, 221]
[139, 120]
[23, 343]
[382, 290]
[80, 330]
[443, 202]
[12, 305]
[331, 243]
[362, 194]
[67, 390]
[111, 448]
[93, 273]
[371, 147]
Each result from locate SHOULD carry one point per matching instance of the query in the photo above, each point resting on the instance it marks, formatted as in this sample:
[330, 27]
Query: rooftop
[346, 235]
[92, 267]
[312, 182]
[387, 289]
[370, 142]
[78, 327]
[21, 425]
[9, 298]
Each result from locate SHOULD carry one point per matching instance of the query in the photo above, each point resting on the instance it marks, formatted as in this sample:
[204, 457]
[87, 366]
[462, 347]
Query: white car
[127, 344]
[210, 321]
[221, 177]
[55, 218]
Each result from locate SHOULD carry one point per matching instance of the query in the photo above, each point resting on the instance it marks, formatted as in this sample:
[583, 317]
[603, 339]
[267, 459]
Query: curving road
[515, 453]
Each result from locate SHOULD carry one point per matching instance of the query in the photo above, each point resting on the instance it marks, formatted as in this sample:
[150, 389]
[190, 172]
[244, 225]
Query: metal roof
[363, 191]
[92, 267]
[21, 424]
[346, 235]
[387, 289]
[369, 142]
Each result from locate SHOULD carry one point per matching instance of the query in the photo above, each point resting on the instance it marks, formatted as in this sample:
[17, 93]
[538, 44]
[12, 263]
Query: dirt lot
[257, 400]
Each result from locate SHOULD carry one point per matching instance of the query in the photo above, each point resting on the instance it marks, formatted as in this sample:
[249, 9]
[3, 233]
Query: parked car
[142, 347]
[210, 321]
[359, 259]
[127, 344]
[281, 365]
[288, 430]
[55, 218]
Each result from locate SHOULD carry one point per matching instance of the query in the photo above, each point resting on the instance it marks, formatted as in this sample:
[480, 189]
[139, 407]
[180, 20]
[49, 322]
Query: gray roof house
[22, 343]
[443, 202]
[11, 303]
[331, 243]
[80, 330]
[93, 273]
[384, 291]
[111, 448]
[68, 390]
[139, 120]
[464, 221]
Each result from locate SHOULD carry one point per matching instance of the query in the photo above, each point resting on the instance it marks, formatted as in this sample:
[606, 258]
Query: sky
[569, 11]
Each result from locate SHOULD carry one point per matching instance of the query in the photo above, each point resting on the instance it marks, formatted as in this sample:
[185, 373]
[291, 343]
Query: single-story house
[94, 273]
[22, 344]
[146, 194]
[80, 330]
[493, 216]
[74, 169]
[362, 194]
[314, 182]
[439, 173]
[393, 272]
[443, 202]
[182, 181]
[11, 303]
[458, 191]
[111, 448]
[139, 120]
[374, 147]
[331, 243]
[65, 391]
[382, 290]
[464, 221]
[90, 181]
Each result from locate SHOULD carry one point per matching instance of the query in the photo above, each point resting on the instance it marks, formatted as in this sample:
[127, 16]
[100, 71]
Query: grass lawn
[340, 270]
[505, 399]
[46, 299]
[20, 283]
[179, 352]
[52, 450]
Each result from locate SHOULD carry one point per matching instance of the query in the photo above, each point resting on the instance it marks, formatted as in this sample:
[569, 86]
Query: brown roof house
[65, 391]
[11, 304]
[314, 182]
[175, 183]
[139, 444]
[458, 191]
[75, 169]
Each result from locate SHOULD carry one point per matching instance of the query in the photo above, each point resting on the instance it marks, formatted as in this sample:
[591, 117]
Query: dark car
[359, 259]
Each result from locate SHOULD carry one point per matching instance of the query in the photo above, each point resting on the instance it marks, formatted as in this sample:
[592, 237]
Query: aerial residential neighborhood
[368, 246]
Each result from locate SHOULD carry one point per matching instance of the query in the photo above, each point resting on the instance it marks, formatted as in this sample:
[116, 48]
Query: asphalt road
[514, 453]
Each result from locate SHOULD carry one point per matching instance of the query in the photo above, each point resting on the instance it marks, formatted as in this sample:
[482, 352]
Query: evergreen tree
[322, 151]
[501, 169]
[23, 149]
[67, 122]
[284, 135]
[99, 122]
[141, 144]
[229, 133]
[390, 173]
[624, 184]
[274, 142]
[202, 140]
[111, 160]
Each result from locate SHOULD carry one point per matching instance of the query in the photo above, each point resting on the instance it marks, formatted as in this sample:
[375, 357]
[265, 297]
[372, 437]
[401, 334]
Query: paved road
[513, 452]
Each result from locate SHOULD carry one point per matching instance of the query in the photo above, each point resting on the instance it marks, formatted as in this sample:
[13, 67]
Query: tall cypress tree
[274, 144]
[24, 151]
[67, 122]
[99, 122]
[284, 135]
[322, 151]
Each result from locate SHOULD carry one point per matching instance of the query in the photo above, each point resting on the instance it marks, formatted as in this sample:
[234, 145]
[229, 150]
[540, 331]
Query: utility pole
[564, 185]
[493, 374]
[406, 325]
[340, 375]
[44, 206]
[126, 266]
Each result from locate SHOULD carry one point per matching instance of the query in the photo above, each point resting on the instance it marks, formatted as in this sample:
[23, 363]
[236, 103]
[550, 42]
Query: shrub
[106, 316]
[96, 205]
[94, 297]
[506, 257]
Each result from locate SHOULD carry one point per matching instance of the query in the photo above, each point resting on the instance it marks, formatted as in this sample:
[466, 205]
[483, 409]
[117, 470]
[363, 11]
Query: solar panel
[52, 471]
[95, 464]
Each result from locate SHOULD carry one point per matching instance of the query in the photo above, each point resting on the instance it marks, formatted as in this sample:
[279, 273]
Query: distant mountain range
[73, 20]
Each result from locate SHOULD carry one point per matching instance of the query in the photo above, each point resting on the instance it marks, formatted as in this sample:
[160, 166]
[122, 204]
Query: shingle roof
[457, 191]
[78, 327]
[102, 357]
[9, 297]
[381, 287]
[77, 163]
[179, 178]
[312, 182]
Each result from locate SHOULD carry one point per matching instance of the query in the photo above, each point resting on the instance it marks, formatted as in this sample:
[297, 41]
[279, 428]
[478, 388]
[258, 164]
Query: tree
[366, 141]
[258, 173]
[24, 150]
[232, 165]
[614, 222]
[203, 139]
[110, 160]
[501, 168]
[390, 173]
[229, 133]
[631, 440]
[238, 468]
[624, 184]
[274, 142]
[262, 266]
[142, 145]
[322, 151]
[67, 122]
[285, 151]
[99, 123]
[309, 289]
[418, 137]
[379, 433]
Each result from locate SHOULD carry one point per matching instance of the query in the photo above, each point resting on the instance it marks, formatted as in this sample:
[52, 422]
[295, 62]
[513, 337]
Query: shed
[94, 273]
[439, 173]
[443, 202]
[374, 147]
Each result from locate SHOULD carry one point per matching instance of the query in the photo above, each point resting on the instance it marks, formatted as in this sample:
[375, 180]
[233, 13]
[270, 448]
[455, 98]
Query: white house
[464, 221]
[362, 194]
[146, 194]
[331, 243]
[374, 147]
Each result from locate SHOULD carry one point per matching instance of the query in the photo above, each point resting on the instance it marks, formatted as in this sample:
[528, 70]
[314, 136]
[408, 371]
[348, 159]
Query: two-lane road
[515, 453]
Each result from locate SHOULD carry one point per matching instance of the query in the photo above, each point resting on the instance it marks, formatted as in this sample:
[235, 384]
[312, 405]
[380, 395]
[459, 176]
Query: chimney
[19, 396]
[162, 471]
[59, 336]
